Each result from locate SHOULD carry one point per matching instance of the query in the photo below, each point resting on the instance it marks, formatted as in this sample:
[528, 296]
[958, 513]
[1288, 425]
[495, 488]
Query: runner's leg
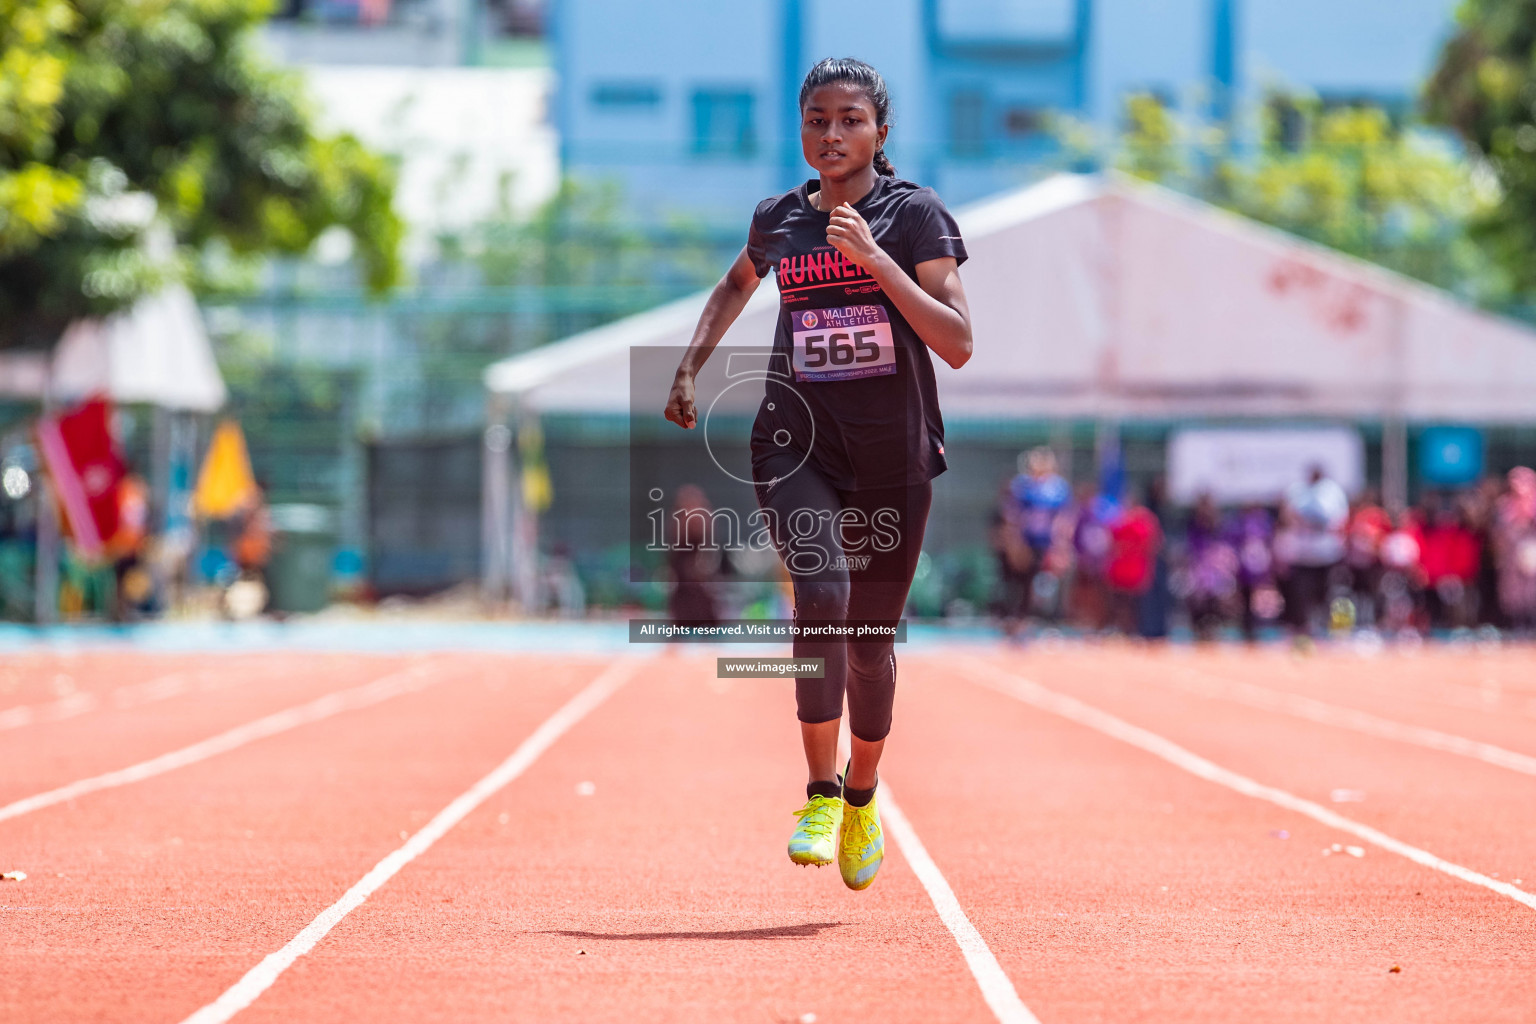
[803, 508]
[878, 591]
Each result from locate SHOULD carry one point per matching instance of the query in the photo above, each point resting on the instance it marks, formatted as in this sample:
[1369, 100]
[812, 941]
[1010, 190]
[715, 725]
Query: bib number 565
[835, 348]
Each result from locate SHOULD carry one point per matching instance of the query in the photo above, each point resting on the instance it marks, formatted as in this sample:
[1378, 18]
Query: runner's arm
[724, 306]
[934, 304]
[936, 308]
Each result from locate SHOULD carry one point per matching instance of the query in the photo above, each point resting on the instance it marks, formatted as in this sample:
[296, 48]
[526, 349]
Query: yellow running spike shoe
[815, 840]
[861, 847]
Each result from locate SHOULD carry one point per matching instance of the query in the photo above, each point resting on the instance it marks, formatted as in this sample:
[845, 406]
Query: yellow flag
[538, 491]
[225, 484]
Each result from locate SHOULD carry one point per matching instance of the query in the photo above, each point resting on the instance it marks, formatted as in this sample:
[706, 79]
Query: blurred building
[330, 381]
[406, 33]
[692, 104]
[456, 90]
[373, 408]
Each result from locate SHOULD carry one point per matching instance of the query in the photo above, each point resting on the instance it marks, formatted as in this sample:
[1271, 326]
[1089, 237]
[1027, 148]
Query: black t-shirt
[856, 391]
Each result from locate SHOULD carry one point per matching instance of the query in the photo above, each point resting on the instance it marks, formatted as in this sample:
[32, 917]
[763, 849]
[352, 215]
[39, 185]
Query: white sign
[1240, 466]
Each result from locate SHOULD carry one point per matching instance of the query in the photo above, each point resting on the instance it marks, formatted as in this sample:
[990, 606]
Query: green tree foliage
[1346, 177]
[580, 237]
[1485, 89]
[124, 120]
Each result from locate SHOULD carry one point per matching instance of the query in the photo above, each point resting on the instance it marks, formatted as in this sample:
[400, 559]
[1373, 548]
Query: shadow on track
[788, 931]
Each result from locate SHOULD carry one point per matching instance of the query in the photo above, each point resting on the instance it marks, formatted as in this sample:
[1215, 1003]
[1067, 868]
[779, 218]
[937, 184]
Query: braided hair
[862, 76]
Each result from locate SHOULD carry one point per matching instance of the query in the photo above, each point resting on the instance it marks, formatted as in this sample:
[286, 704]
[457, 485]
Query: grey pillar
[1394, 426]
[524, 547]
[495, 505]
[160, 466]
[45, 588]
[45, 575]
[1061, 444]
[1394, 464]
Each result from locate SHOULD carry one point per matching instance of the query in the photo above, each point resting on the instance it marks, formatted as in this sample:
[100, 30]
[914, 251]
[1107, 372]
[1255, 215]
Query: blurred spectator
[1037, 498]
[1251, 533]
[1134, 540]
[1484, 505]
[134, 594]
[561, 584]
[1152, 610]
[1448, 557]
[1091, 544]
[1014, 563]
[253, 541]
[695, 562]
[1457, 560]
[1401, 575]
[1209, 581]
[249, 592]
[1317, 512]
[1369, 525]
[1514, 536]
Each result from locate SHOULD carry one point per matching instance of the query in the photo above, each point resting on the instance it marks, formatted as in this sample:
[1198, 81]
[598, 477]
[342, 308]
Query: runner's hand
[849, 234]
[680, 408]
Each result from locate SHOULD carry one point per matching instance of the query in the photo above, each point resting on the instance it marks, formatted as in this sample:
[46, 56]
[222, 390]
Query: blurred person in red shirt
[1448, 555]
[1134, 541]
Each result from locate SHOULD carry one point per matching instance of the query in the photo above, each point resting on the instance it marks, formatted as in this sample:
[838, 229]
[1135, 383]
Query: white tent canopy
[157, 353]
[1108, 299]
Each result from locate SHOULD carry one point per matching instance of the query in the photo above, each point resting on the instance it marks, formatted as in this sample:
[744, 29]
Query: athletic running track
[1075, 834]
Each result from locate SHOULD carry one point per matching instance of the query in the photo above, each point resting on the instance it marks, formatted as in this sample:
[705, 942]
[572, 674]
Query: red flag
[83, 462]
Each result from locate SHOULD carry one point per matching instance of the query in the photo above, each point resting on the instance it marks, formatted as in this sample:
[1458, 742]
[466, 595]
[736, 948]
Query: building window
[1023, 122]
[1007, 22]
[628, 97]
[968, 123]
[722, 122]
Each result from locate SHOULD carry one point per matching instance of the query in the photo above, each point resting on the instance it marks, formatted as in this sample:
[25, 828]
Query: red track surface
[1110, 884]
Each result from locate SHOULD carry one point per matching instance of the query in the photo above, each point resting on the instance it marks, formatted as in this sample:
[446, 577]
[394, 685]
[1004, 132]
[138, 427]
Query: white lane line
[54, 711]
[1324, 713]
[133, 695]
[163, 688]
[261, 977]
[1070, 708]
[406, 681]
[1489, 698]
[995, 987]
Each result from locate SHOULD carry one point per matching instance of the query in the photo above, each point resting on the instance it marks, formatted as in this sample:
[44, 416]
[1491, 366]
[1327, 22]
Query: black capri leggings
[851, 555]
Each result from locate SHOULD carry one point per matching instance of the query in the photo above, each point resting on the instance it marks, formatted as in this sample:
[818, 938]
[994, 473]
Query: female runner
[848, 437]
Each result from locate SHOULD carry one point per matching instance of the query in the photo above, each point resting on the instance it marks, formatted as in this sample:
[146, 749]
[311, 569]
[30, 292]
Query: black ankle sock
[823, 789]
[859, 797]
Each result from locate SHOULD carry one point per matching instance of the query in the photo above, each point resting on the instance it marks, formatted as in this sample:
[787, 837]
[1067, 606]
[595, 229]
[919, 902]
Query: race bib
[843, 343]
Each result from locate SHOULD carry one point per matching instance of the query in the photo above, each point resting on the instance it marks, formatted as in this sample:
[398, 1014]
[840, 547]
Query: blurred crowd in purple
[1107, 559]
